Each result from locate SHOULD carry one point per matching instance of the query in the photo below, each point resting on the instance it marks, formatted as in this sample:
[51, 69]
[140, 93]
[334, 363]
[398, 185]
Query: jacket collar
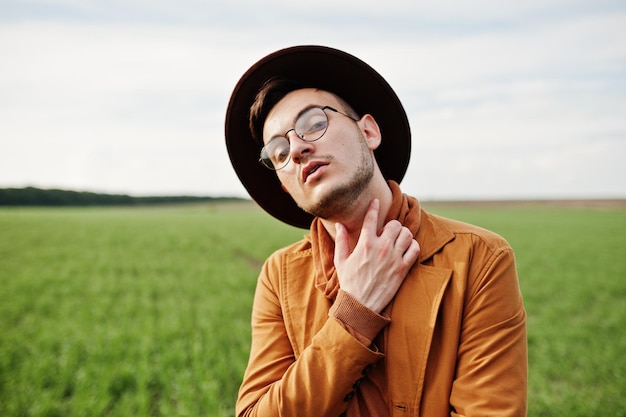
[432, 236]
[428, 230]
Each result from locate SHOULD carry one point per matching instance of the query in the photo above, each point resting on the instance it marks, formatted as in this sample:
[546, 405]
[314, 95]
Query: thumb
[341, 243]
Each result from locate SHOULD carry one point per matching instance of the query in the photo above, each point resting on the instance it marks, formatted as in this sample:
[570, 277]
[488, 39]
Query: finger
[405, 236]
[370, 222]
[341, 243]
[411, 254]
[391, 231]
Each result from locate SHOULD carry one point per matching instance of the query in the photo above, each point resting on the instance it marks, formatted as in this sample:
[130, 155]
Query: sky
[506, 100]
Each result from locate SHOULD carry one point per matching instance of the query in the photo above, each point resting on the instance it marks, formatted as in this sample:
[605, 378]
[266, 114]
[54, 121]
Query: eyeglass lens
[310, 126]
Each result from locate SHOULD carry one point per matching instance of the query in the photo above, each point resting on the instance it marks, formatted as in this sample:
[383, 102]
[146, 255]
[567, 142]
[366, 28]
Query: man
[382, 309]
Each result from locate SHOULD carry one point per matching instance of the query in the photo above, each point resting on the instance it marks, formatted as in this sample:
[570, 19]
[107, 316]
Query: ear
[371, 131]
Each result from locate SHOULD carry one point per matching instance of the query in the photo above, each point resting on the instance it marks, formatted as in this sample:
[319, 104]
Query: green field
[145, 311]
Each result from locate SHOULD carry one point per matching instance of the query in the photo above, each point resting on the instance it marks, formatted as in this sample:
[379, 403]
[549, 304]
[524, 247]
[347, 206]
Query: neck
[352, 218]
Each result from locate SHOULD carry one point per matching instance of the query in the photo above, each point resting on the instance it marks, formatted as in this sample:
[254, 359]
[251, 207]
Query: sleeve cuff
[358, 320]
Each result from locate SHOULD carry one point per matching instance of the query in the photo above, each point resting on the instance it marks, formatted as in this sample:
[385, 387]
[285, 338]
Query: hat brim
[328, 69]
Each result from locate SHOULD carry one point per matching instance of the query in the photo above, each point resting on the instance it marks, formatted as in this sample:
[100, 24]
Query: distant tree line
[31, 196]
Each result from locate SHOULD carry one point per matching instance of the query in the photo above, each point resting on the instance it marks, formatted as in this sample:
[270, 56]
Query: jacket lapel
[409, 336]
[305, 307]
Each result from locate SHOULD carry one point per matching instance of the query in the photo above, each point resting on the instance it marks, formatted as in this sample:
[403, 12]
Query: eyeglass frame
[301, 136]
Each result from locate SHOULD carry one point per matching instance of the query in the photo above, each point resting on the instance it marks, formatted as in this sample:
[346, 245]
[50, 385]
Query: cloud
[81, 103]
[503, 100]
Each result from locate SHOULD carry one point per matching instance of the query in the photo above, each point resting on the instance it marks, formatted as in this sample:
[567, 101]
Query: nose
[298, 148]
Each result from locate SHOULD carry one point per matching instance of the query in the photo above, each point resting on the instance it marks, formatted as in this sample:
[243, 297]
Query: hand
[380, 262]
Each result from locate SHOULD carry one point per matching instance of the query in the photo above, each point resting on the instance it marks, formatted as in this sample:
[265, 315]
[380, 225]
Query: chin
[330, 198]
[332, 202]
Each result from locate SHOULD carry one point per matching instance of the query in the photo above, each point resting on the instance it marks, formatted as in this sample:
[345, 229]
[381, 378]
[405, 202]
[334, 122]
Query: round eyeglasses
[310, 126]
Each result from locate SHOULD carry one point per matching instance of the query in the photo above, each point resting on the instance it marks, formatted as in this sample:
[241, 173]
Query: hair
[270, 93]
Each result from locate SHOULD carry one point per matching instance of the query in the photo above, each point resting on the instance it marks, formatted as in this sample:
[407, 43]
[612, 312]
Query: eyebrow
[304, 110]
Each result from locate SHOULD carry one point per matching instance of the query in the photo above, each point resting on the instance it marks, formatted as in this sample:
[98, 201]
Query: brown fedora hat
[327, 69]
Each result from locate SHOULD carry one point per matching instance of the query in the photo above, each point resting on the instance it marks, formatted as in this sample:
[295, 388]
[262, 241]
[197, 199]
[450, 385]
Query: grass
[145, 311]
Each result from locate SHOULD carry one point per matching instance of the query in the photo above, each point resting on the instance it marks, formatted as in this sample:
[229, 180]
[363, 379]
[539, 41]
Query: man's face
[323, 177]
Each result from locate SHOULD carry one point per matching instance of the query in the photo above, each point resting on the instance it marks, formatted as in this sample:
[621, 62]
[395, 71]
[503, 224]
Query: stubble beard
[340, 198]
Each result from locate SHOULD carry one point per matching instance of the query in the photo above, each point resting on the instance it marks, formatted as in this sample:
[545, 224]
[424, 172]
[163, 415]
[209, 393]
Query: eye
[277, 150]
[317, 126]
[311, 122]
[281, 155]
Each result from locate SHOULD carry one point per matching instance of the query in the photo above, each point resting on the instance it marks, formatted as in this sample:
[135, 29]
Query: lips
[310, 169]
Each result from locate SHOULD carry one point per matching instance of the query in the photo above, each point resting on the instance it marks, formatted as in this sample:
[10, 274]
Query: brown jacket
[455, 346]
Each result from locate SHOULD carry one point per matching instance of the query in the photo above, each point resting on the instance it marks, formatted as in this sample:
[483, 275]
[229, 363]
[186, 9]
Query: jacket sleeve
[491, 374]
[318, 382]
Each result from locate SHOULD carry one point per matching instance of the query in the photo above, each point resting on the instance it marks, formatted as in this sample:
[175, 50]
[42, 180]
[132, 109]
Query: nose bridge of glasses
[299, 145]
[298, 135]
